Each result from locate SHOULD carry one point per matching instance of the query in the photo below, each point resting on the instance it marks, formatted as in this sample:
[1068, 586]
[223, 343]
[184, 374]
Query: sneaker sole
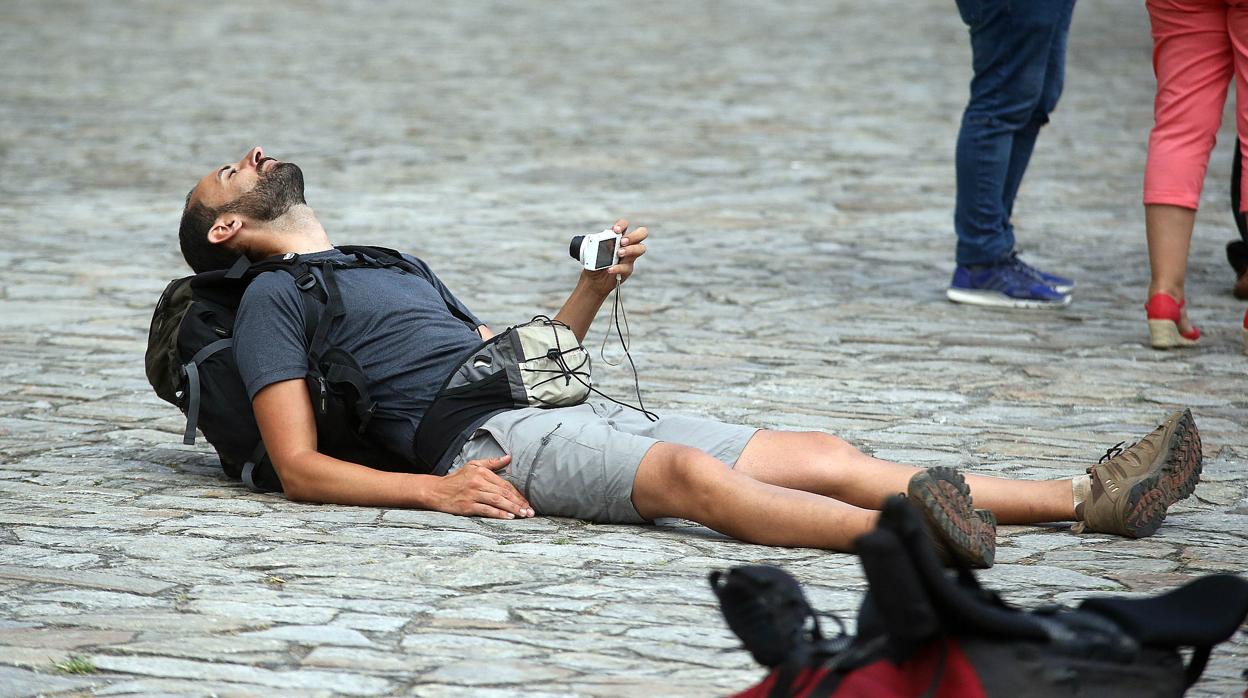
[1176, 479]
[996, 299]
[943, 496]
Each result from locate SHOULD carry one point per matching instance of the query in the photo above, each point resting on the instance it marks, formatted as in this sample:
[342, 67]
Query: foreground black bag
[923, 631]
[190, 363]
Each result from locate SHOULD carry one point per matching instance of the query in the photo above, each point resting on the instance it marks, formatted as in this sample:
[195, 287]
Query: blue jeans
[1018, 53]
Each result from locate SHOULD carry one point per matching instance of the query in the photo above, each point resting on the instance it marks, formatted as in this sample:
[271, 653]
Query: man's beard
[275, 193]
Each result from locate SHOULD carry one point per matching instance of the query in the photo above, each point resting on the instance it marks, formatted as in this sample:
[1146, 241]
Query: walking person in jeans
[1198, 47]
[1018, 53]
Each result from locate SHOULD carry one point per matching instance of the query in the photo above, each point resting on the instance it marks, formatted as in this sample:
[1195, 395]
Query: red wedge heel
[1163, 323]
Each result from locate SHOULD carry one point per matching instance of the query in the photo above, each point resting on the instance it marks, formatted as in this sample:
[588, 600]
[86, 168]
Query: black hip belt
[537, 364]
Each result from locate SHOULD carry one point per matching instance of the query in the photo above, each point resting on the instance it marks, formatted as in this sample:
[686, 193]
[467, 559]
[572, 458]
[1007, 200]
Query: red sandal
[1163, 323]
[1246, 332]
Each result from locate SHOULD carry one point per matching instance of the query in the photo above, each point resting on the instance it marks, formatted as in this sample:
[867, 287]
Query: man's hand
[476, 490]
[593, 287]
[632, 246]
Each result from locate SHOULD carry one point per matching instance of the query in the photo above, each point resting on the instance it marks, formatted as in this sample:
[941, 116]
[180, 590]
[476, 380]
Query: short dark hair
[199, 253]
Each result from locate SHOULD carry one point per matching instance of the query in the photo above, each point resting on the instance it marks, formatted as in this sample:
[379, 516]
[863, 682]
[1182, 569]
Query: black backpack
[921, 627]
[190, 363]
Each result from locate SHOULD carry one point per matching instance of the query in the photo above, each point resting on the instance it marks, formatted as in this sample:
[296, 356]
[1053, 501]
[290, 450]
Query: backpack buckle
[306, 282]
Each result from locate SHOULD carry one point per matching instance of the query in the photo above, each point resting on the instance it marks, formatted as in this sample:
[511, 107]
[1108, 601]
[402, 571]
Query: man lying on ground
[592, 461]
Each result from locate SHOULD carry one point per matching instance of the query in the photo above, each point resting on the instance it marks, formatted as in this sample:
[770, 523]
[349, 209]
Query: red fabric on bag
[883, 679]
[914, 676]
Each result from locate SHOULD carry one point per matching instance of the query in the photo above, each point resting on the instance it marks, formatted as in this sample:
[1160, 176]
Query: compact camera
[597, 251]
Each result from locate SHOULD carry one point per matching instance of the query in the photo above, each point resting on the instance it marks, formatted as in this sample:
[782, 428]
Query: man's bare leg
[683, 482]
[827, 465]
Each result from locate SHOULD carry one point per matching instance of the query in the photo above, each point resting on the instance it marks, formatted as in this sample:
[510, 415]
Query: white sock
[1081, 488]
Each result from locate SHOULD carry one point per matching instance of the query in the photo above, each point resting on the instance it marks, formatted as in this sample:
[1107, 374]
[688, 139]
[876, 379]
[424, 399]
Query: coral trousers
[1198, 46]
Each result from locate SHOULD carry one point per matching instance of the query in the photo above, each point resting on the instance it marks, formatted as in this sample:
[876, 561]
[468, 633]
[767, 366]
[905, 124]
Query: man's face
[257, 186]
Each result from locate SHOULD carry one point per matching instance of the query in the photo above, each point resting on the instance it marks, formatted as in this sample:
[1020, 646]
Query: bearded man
[595, 461]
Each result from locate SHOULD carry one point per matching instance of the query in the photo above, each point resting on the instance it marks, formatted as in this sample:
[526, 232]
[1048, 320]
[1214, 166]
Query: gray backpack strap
[249, 468]
[191, 368]
[192, 397]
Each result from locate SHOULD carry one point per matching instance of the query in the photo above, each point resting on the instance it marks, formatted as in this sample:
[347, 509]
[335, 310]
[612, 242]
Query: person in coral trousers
[1198, 47]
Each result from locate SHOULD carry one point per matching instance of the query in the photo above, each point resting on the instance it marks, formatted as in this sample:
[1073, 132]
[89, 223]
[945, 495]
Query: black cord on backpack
[565, 371]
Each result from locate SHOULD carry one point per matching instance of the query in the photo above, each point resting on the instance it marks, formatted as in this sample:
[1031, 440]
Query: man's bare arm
[284, 414]
[593, 287]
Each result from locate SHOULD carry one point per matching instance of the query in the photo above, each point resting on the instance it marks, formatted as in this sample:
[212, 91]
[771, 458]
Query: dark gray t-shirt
[396, 325]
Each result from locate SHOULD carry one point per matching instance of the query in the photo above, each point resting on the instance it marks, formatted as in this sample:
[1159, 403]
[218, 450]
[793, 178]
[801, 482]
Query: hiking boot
[1002, 285]
[1133, 487]
[1060, 284]
[963, 536]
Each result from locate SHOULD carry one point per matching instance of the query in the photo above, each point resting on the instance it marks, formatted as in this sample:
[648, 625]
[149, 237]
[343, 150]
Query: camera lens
[575, 248]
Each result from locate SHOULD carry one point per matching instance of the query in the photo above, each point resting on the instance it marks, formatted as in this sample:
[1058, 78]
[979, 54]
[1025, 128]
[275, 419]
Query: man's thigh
[566, 461]
[582, 461]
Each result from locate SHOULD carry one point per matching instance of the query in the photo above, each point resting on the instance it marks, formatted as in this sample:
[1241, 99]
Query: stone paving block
[80, 578]
[149, 622]
[20, 683]
[258, 610]
[496, 673]
[239, 649]
[449, 645]
[313, 635]
[294, 681]
[197, 688]
[355, 658]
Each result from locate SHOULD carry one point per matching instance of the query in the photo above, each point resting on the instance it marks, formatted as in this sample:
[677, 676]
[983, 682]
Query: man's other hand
[476, 490]
[632, 246]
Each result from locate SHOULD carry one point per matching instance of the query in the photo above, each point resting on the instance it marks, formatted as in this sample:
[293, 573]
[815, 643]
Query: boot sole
[1181, 471]
[1176, 479]
[943, 496]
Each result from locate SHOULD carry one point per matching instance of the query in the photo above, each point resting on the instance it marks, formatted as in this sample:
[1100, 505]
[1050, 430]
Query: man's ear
[225, 228]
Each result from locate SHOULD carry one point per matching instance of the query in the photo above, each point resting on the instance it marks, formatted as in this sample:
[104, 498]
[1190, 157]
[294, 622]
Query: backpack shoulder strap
[316, 299]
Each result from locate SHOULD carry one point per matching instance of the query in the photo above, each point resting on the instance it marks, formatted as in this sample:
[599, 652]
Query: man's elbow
[297, 484]
[299, 492]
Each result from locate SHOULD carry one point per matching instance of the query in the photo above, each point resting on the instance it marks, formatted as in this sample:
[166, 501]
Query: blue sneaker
[1002, 285]
[1060, 284]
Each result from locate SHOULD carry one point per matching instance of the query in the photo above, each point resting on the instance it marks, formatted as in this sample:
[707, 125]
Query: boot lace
[1110, 453]
[1113, 452]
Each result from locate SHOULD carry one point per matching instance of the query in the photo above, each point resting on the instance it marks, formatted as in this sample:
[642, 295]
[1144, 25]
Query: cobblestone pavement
[794, 162]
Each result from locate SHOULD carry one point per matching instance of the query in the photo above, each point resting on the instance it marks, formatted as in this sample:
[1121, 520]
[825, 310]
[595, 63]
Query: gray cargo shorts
[581, 461]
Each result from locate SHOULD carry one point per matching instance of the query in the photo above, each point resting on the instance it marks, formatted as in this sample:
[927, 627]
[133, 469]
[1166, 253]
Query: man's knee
[824, 446]
[675, 480]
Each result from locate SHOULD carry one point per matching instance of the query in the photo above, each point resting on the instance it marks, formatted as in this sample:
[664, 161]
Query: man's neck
[298, 231]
